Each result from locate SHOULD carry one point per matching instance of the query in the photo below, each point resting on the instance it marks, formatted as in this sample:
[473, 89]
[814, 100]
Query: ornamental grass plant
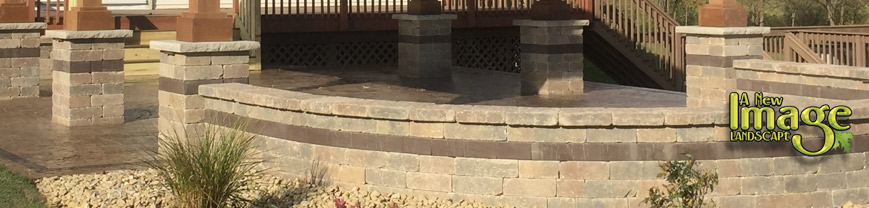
[208, 169]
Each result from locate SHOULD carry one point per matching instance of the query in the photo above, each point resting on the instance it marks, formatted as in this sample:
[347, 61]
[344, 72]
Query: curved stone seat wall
[531, 157]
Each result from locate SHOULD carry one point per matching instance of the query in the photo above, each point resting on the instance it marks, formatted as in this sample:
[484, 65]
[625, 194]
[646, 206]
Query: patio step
[139, 58]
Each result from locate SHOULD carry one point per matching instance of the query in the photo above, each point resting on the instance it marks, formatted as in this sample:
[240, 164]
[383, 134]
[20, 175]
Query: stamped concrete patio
[34, 146]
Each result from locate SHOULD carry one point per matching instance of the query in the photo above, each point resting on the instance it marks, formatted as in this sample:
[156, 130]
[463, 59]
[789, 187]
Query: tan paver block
[236, 71]
[487, 167]
[532, 116]
[762, 185]
[633, 170]
[637, 117]
[109, 99]
[529, 187]
[643, 187]
[475, 132]
[349, 174]
[433, 113]
[482, 114]
[436, 164]
[387, 178]
[728, 187]
[570, 188]
[538, 169]
[402, 162]
[429, 181]
[584, 170]
[585, 117]
[610, 188]
[477, 185]
[656, 135]
[614, 135]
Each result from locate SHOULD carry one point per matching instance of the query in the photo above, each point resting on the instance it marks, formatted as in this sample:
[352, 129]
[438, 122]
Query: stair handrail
[828, 47]
[248, 19]
[653, 32]
[796, 50]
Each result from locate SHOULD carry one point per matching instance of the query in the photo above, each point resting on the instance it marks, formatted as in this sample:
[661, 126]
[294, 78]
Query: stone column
[19, 60]
[709, 56]
[45, 62]
[186, 65]
[88, 77]
[551, 56]
[424, 45]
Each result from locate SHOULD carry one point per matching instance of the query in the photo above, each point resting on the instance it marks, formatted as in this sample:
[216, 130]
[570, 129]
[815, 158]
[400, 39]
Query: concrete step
[144, 37]
[149, 68]
[139, 58]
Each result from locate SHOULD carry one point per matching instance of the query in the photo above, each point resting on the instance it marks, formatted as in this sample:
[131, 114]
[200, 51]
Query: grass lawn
[591, 73]
[18, 191]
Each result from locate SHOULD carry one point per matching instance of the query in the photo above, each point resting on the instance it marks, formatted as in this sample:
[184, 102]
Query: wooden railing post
[587, 8]
[31, 4]
[472, 12]
[235, 7]
[344, 16]
[860, 51]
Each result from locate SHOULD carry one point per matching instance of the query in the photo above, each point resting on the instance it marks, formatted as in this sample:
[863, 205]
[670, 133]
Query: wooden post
[550, 10]
[860, 51]
[472, 12]
[203, 22]
[235, 7]
[31, 4]
[14, 11]
[588, 8]
[344, 16]
[87, 15]
[723, 13]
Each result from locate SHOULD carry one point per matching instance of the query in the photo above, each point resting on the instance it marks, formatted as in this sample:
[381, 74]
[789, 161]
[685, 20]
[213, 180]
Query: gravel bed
[142, 188]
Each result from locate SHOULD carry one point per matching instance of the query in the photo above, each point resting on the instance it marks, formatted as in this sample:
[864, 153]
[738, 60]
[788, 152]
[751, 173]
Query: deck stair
[635, 43]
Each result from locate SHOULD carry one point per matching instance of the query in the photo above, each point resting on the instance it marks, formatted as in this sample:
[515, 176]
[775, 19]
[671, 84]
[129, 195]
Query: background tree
[843, 11]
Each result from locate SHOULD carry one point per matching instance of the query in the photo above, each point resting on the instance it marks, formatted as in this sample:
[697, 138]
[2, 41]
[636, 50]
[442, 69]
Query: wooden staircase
[600, 50]
[635, 43]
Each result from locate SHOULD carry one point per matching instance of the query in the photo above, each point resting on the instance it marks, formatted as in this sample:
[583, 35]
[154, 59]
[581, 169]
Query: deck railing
[649, 31]
[372, 15]
[50, 11]
[815, 46]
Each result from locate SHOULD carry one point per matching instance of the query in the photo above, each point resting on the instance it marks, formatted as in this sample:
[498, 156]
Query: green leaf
[843, 140]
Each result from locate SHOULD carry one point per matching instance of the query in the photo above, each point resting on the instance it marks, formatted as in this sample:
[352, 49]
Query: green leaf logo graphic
[843, 140]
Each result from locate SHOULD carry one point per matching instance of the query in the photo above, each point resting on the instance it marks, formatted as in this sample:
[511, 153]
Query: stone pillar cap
[424, 17]
[550, 23]
[23, 26]
[700, 30]
[202, 47]
[88, 34]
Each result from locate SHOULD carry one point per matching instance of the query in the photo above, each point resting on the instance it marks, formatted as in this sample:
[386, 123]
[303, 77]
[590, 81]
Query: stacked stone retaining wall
[531, 157]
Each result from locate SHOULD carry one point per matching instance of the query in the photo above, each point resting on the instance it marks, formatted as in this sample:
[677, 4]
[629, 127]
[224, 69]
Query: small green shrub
[207, 170]
[686, 186]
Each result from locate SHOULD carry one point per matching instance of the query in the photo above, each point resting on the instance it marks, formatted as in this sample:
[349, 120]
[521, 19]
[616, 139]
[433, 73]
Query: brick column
[710, 52]
[424, 47]
[186, 65]
[45, 62]
[88, 77]
[19, 60]
[551, 56]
